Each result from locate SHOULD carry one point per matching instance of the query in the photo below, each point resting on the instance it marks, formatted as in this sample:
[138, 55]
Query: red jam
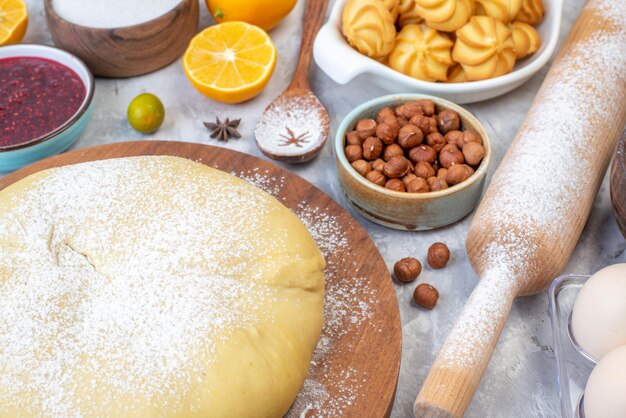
[36, 97]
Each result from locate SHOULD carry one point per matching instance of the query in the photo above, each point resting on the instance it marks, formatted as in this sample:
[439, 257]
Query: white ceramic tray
[342, 63]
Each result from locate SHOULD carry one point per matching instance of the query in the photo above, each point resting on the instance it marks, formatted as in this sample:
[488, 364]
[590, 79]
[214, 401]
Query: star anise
[223, 131]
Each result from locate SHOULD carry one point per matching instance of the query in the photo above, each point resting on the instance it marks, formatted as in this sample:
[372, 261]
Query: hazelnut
[385, 114]
[393, 150]
[377, 164]
[436, 183]
[423, 169]
[423, 153]
[402, 121]
[395, 184]
[427, 124]
[409, 109]
[366, 128]
[442, 172]
[407, 269]
[473, 153]
[448, 121]
[450, 155]
[372, 148]
[471, 136]
[410, 136]
[386, 133]
[436, 140]
[353, 138]
[354, 152]
[457, 174]
[361, 166]
[436, 166]
[455, 138]
[396, 167]
[418, 185]
[408, 178]
[438, 255]
[425, 296]
[376, 177]
[427, 105]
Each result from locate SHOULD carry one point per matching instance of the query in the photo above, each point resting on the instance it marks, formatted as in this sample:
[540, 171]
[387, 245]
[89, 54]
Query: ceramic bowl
[618, 184]
[131, 50]
[409, 211]
[342, 63]
[16, 156]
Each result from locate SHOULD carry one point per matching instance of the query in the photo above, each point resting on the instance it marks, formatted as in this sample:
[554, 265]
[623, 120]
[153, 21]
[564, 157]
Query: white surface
[343, 64]
[521, 379]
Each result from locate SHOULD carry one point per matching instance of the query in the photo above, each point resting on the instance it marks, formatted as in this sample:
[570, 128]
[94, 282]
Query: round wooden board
[356, 366]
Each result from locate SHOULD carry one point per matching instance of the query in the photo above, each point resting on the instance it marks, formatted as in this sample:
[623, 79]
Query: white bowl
[342, 63]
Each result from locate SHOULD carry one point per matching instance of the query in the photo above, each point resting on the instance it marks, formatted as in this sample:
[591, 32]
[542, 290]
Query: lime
[146, 113]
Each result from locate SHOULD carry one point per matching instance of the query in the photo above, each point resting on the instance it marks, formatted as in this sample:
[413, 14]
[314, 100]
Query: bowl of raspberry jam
[45, 103]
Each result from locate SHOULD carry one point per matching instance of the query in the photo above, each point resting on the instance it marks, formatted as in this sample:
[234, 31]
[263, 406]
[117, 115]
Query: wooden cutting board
[355, 370]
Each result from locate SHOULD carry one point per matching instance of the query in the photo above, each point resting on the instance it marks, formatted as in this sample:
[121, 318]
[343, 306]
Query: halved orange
[13, 21]
[230, 62]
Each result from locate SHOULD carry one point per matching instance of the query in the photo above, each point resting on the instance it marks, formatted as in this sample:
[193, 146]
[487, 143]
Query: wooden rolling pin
[534, 211]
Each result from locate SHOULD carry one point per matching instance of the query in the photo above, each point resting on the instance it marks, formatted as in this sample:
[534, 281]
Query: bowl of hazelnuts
[412, 161]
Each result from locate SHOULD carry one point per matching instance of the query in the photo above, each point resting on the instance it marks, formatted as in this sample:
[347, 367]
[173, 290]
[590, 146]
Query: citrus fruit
[263, 13]
[146, 113]
[13, 21]
[230, 62]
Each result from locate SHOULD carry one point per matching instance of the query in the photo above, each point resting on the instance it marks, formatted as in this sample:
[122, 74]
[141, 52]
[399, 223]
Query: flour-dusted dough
[153, 286]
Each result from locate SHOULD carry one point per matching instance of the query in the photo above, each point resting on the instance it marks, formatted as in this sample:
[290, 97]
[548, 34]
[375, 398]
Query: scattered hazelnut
[361, 166]
[408, 178]
[418, 185]
[471, 136]
[353, 138]
[438, 255]
[366, 128]
[473, 153]
[378, 164]
[455, 138]
[410, 136]
[376, 177]
[436, 140]
[354, 152]
[436, 183]
[442, 172]
[385, 114]
[409, 109]
[396, 167]
[423, 153]
[386, 133]
[427, 124]
[427, 105]
[407, 269]
[393, 150]
[450, 155]
[448, 121]
[425, 296]
[423, 169]
[395, 184]
[457, 174]
[372, 148]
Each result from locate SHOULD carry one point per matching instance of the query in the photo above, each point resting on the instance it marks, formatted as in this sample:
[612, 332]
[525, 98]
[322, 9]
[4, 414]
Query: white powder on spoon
[112, 13]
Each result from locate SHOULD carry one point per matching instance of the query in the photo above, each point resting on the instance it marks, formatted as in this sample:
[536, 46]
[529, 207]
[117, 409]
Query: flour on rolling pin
[560, 123]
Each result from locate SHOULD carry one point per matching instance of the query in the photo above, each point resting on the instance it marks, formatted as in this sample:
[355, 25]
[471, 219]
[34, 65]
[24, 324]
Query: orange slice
[230, 62]
[13, 21]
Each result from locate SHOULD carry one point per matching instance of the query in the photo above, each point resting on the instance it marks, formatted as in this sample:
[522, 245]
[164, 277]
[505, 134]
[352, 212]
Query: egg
[606, 388]
[599, 316]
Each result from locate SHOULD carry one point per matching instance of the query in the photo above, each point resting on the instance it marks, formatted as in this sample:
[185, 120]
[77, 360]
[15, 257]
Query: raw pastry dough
[531, 12]
[526, 39]
[445, 15]
[153, 287]
[369, 27]
[485, 48]
[407, 13]
[422, 52]
[503, 10]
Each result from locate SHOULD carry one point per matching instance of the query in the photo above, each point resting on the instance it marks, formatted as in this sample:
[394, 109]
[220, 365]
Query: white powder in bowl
[112, 13]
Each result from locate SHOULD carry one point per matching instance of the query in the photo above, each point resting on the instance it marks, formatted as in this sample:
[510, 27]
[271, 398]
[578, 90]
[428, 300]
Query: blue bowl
[60, 139]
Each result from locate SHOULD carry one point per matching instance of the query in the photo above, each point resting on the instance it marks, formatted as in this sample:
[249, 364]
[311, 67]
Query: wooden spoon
[294, 127]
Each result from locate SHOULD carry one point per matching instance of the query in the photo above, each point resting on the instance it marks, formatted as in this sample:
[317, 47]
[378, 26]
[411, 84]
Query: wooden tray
[355, 370]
